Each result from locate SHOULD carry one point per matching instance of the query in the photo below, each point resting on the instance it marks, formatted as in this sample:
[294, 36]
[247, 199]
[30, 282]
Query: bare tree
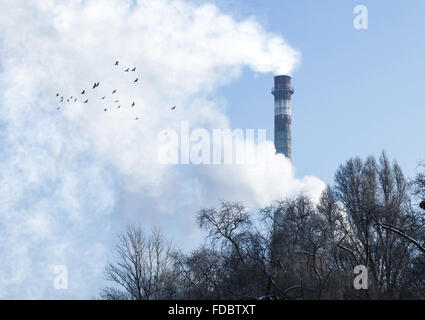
[375, 195]
[143, 269]
[200, 274]
[231, 223]
[230, 233]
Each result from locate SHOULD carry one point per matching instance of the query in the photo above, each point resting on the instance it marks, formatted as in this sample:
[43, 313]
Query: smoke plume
[70, 179]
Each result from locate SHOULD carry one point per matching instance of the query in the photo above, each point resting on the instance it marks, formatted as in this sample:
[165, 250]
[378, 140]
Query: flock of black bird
[95, 85]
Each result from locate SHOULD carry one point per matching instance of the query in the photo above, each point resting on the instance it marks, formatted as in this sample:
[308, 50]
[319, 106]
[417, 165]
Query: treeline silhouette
[292, 249]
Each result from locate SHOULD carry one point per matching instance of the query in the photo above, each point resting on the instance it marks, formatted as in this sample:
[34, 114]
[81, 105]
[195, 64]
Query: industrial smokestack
[282, 92]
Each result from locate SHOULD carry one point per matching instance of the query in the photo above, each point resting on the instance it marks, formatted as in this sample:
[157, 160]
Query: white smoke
[70, 179]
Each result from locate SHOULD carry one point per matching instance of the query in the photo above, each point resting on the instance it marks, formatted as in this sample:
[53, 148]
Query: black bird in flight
[134, 69]
[103, 97]
[96, 84]
[136, 79]
[57, 94]
[133, 104]
[105, 110]
[84, 91]
[137, 118]
[86, 101]
[75, 99]
[114, 91]
[116, 101]
[173, 108]
[61, 100]
[126, 70]
[118, 107]
[67, 100]
[116, 62]
[58, 108]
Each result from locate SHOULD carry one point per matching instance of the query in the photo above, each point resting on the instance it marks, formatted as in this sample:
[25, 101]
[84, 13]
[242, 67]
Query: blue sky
[356, 92]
